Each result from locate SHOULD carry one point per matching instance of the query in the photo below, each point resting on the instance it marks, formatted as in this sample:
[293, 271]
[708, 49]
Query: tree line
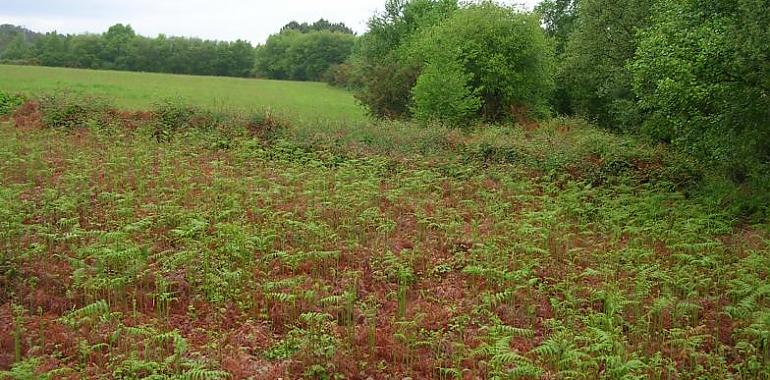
[313, 48]
[120, 48]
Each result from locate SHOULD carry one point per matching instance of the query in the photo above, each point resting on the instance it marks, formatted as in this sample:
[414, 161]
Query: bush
[443, 94]
[265, 125]
[387, 75]
[9, 103]
[67, 110]
[386, 92]
[20, 62]
[485, 61]
[342, 75]
[173, 115]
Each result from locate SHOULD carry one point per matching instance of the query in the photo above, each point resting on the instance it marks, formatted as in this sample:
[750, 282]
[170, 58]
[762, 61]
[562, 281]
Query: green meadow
[300, 100]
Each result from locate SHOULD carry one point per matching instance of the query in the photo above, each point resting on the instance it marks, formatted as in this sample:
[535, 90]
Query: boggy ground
[558, 252]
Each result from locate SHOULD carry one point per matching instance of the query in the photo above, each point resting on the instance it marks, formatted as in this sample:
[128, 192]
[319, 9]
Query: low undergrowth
[68, 111]
[9, 103]
[233, 248]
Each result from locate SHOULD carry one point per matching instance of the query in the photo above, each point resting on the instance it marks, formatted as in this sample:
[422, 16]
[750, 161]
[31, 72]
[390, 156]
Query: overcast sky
[251, 20]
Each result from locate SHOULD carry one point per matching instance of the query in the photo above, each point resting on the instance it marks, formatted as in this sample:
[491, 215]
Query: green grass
[305, 101]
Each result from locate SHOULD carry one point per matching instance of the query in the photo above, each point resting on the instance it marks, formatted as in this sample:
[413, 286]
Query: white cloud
[251, 20]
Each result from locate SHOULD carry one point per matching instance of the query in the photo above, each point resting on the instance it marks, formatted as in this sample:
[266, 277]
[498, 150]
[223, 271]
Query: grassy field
[299, 100]
[223, 251]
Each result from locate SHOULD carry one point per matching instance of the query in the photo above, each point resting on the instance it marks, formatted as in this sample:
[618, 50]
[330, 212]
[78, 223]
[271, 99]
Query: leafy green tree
[442, 93]
[116, 43]
[146, 54]
[595, 64]
[702, 73]
[559, 18]
[235, 59]
[120, 48]
[318, 26]
[385, 88]
[386, 71]
[303, 56]
[316, 52]
[273, 57]
[10, 33]
[86, 50]
[52, 49]
[496, 58]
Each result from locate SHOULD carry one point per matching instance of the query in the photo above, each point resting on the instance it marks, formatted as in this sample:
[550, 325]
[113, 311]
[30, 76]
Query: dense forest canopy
[12, 34]
[120, 48]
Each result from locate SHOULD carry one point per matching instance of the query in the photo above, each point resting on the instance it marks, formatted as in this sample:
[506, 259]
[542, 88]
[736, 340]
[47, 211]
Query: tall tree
[10, 33]
[303, 56]
[86, 50]
[559, 18]
[16, 49]
[595, 64]
[120, 48]
[387, 73]
[488, 56]
[116, 43]
[317, 26]
[52, 49]
[702, 73]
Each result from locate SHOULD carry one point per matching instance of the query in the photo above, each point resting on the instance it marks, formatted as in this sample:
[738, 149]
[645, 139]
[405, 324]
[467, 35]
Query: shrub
[9, 103]
[173, 115]
[486, 61]
[443, 94]
[386, 92]
[387, 76]
[265, 125]
[748, 202]
[342, 75]
[68, 110]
